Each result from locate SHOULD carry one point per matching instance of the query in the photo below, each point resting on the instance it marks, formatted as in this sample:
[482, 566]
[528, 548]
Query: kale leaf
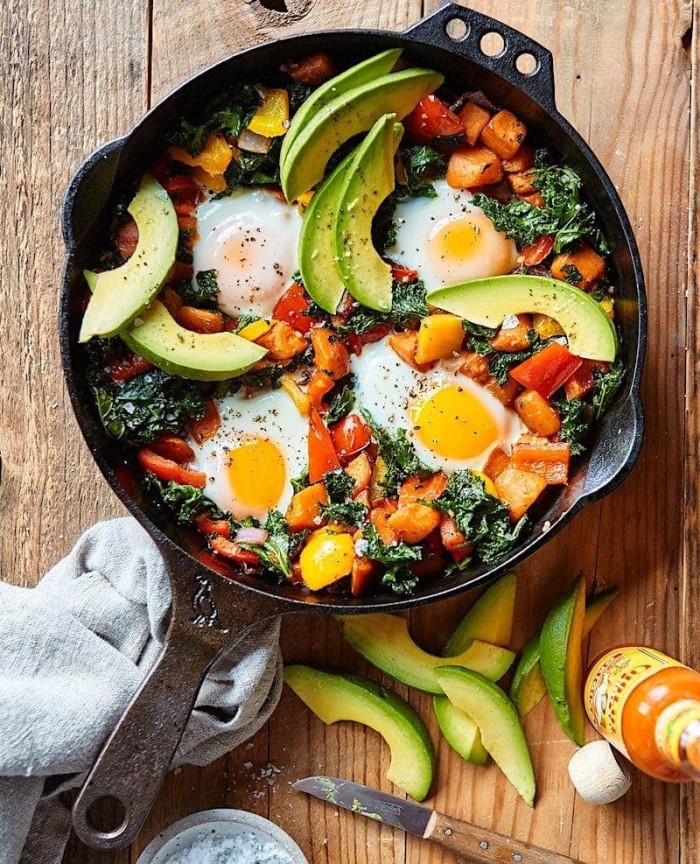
[183, 501]
[422, 164]
[576, 417]
[230, 113]
[399, 456]
[338, 485]
[253, 169]
[342, 402]
[300, 482]
[409, 303]
[276, 551]
[564, 214]
[482, 518]
[396, 558]
[349, 513]
[202, 292]
[606, 386]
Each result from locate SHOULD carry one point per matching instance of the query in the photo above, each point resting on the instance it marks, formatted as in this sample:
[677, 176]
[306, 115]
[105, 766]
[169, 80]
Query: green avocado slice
[489, 619]
[199, 356]
[384, 640]
[335, 696]
[368, 180]
[488, 302]
[120, 295]
[459, 730]
[498, 722]
[348, 115]
[317, 264]
[355, 76]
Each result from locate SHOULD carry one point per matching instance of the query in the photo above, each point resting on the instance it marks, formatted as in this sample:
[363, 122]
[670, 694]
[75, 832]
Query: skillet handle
[457, 28]
[132, 765]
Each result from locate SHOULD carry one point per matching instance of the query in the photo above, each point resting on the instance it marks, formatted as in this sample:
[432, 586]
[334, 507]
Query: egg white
[272, 416]
[391, 391]
[420, 222]
[250, 238]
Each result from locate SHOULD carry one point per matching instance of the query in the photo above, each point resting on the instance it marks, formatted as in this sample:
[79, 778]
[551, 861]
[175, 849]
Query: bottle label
[610, 682]
[671, 725]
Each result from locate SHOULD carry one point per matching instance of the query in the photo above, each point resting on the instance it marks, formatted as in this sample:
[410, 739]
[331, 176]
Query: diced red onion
[254, 143]
[254, 536]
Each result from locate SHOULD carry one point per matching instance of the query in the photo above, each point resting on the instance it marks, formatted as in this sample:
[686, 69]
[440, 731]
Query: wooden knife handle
[481, 845]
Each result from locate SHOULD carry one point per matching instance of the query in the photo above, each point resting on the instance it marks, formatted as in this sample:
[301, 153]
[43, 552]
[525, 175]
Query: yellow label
[611, 680]
[671, 725]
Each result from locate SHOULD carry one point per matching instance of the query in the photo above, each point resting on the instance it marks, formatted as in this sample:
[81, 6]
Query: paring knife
[466, 840]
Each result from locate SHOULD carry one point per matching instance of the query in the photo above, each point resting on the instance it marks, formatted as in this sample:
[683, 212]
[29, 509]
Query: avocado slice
[561, 659]
[119, 295]
[334, 696]
[528, 688]
[498, 722]
[158, 337]
[488, 302]
[459, 730]
[489, 619]
[384, 641]
[349, 114]
[362, 73]
[369, 178]
[317, 264]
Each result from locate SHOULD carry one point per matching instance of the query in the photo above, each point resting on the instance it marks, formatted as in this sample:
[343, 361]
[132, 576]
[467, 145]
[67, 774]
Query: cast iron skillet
[212, 604]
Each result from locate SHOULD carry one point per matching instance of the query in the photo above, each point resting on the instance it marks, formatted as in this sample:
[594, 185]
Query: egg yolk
[257, 474]
[455, 424]
[467, 242]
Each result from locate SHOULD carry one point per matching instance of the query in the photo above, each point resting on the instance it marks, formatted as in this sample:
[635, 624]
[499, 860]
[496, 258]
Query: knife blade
[469, 841]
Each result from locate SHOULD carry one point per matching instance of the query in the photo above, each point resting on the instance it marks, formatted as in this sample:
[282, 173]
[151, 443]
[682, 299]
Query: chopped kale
[564, 214]
[276, 551]
[253, 169]
[479, 330]
[338, 485]
[397, 559]
[482, 518]
[266, 377]
[422, 164]
[230, 113]
[606, 386]
[202, 292]
[183, 501]
[399, 456]
[144, 407]
[342, 401]
[300, 482]
[298, 94]
[409, 303]
[243, 321]
[576, 417]
[573, 274]
[349, 513]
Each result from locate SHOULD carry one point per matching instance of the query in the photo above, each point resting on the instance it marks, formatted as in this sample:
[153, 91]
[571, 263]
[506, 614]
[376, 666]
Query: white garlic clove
[597, 775]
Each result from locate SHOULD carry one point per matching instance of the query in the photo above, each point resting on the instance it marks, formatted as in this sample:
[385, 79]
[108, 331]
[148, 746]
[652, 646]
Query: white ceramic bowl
[226, 823]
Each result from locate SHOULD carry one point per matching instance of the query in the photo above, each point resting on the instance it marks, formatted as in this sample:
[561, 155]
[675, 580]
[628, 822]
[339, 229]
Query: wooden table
[79, 73]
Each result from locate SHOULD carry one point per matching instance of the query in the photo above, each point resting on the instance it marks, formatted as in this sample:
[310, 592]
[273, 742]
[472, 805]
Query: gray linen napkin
[72, 652]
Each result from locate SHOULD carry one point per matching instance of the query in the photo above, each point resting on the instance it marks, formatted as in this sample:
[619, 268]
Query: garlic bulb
[597, 775]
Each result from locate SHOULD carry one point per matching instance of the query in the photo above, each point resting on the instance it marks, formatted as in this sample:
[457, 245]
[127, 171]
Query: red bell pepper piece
[233, 551]
[185, 193]
[293, 307]
[349, 436]
[355, 341]
[166, 469]
[173, 447]
[401, 273]
[548, 370]
[431, 119]
[207, 426]
[128, 367]
[207, 525]
[322, 455]
[583, 379]
[536, 252]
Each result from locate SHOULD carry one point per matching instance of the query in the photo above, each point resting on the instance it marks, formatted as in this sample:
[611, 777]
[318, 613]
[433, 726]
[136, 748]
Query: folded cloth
[73, 651]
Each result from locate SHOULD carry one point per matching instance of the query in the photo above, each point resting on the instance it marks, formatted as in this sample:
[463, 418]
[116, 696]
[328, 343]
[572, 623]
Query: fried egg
[448, 239]
[452, 421]
[259, 447]
[250, 238]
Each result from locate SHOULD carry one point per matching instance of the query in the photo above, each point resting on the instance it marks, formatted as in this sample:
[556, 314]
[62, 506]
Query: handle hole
[457, 29]
[107, 815]
[527, 64]
[492, 44]
[275, 5]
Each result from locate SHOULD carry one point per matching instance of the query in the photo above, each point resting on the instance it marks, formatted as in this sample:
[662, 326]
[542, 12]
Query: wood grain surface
[79, 73]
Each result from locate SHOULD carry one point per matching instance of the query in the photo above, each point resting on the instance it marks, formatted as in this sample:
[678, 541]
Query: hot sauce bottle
[647, 705]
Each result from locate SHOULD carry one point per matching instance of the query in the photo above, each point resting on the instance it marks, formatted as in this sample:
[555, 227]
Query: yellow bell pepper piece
[489, 485]
[272, 117]
[213, 182]
[439, 337]
[327, 557]
[215, 157]
[546, 327]
[255, 329]
[296, 394]
[608, 306]
[305, 198]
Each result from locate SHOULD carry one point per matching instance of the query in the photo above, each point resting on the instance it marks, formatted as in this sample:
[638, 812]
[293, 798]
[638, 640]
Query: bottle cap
[597, 775]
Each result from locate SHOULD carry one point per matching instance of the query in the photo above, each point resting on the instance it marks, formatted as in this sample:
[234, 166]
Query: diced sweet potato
[304, 512]
[379, 516]
[414, 489]
[523, 160]
[208, 425]
[313, 69]
[470, 167]
[581, 268]
[405, 345]
[549, 459]
[522, 182]
[504, 134]
[363, 576]
[475, 366]
[330, 354]
[318, 386]
[505, 393]
[171, 300]
[513, 338]
[546, 327]
[519, 490]
[537, 414]
[363, 498]
[433, 560]
[360, 469]
[534, 200]
[453, 539]
[497, 463]
[412, 522]
[199, 320]
[475, 119]
[282, 341]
